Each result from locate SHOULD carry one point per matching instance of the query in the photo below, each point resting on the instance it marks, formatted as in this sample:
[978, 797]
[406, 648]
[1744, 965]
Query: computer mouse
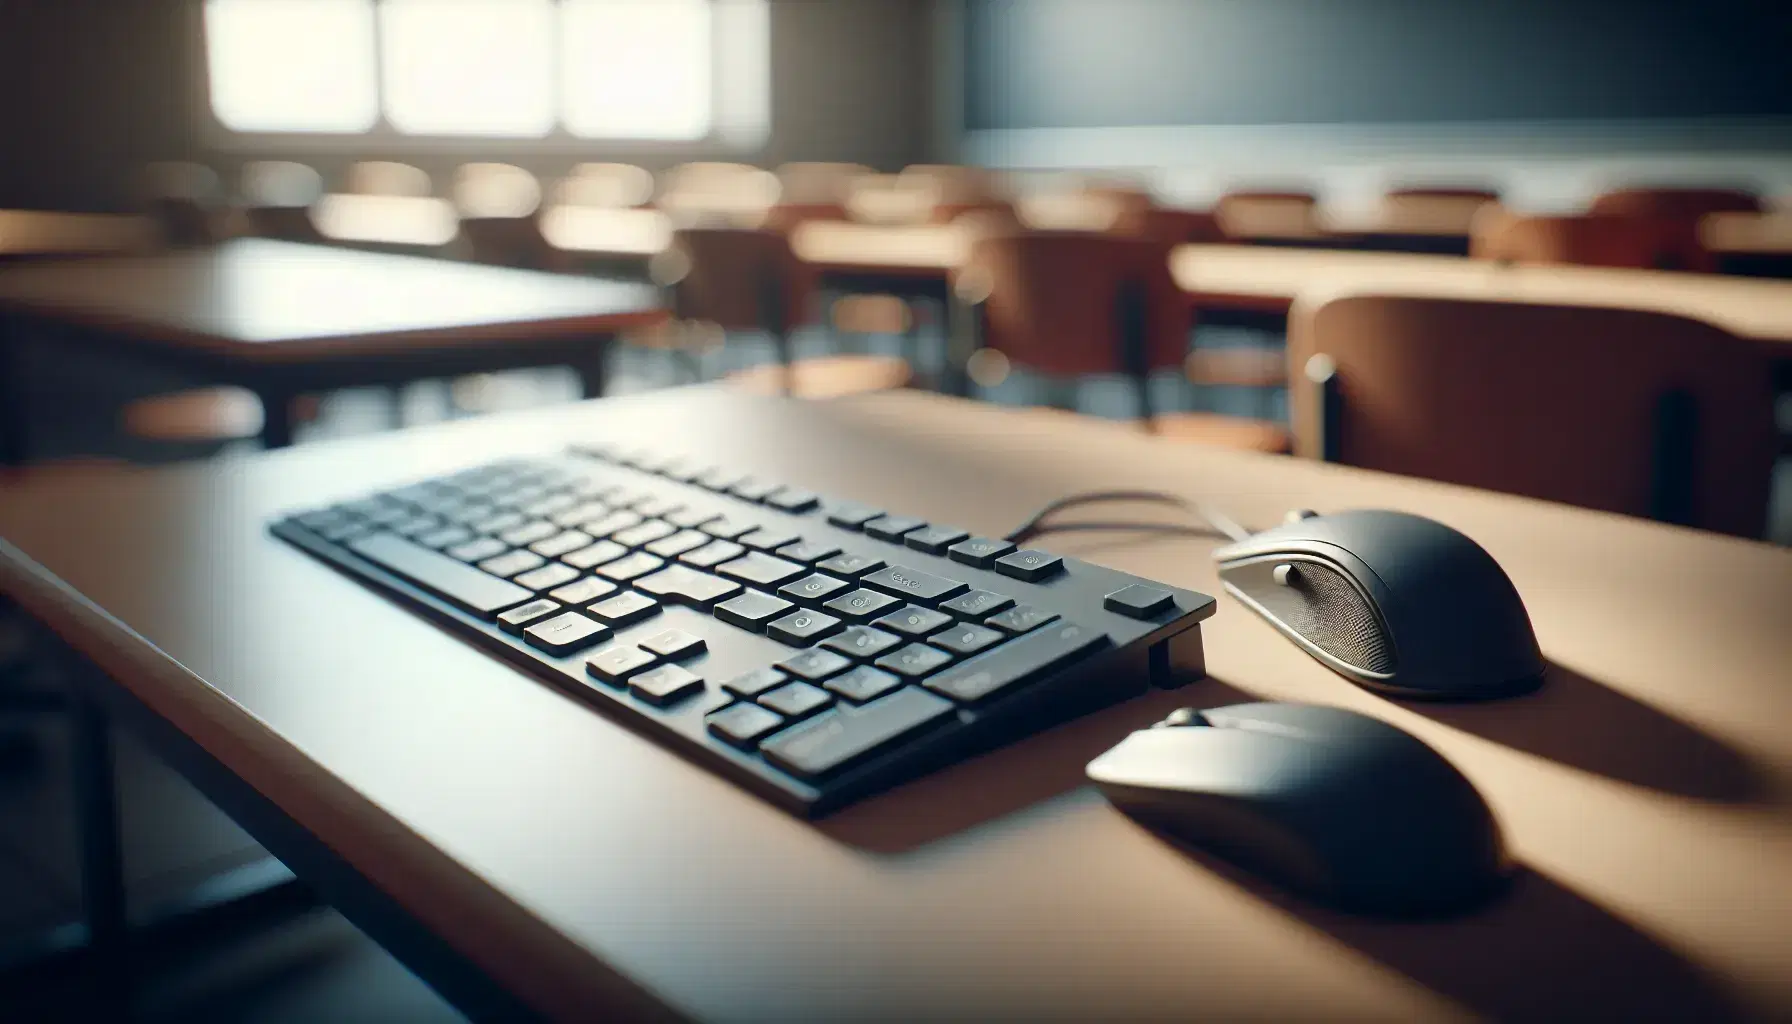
[1396, 602]
[1337, 806]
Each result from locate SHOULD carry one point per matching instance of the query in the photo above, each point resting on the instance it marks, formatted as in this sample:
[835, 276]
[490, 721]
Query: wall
[97, 88]
[1553, 97]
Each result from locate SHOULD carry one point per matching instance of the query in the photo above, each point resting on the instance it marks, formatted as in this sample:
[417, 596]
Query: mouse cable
[1216, 521]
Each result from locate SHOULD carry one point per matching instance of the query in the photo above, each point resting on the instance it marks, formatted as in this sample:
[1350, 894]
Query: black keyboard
[811, 650]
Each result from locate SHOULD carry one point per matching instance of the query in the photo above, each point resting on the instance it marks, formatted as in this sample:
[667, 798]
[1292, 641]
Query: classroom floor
[297, 961]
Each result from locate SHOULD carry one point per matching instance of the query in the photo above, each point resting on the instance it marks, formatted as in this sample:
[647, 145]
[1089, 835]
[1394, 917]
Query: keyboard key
[977, 604]
[796, 700]
[727, 529]
[863, 683]
[466, 513]
[529, 533]
[678, 543]
[792, 500]
[807, 552]
[446, 537]
[813, 589]
[613, 522]
[892, 527]
[595, 555]
[981, 552]
[1029, 565]
[850, 566]
[1139, 601]
[814, 664]
[933, 539]
[416, 526]
[1017, 661]
[712, 554]
[966, 638]
[625, 608]
[743, 724]
[684, 469]
[516, 618]
[756, 682]
[691, 518]
[499, 522]
[457, 582]
[767, 539]
[547, 577]
[760, 570]
[585, 513]
[753, 490]
[852, 517]
[719, 478]
[752, 610]
[585, 591]
[862, 642]
[838, 737]
[680, 584]
[802, 627]
[861, 605]
[627, 568]
[616, 664]
[914, 661]
[563, 543]
[644, 534]
[565, 633]
[478, 550]
[1020, 618]
[513, 562]
[322, 518]
[658, 507]
[666, 685]
[673, 644]
[913, 584]
[346, 530]
[549, 505]
[913, 620]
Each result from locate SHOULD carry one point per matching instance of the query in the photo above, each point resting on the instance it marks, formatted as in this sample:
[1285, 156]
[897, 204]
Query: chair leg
[102, 860]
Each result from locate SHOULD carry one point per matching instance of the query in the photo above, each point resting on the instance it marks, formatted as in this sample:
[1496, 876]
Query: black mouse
[1399, 603]
[1338, 806]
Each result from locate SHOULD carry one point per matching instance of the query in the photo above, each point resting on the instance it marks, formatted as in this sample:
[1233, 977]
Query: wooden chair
[1639, 413]
[813, 191]
[1685, 203]
[498, 205]
[1258, 217]
[1598, 240]
[955, 190]
[735, 278]
[714, 192]
[277, 199]
[187, 201]
[606, 185]
[1071, 304]
[387, 178]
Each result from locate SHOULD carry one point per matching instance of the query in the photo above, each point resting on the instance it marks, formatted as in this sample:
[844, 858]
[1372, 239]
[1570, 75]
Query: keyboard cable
[1214, 522]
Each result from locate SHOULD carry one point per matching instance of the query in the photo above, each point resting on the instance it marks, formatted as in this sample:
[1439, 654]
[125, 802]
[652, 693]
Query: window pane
[636, 69]
[743, 36]
[468, 67]
[291, 65]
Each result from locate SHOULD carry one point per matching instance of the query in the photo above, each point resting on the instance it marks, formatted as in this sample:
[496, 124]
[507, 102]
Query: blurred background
[1125, 209]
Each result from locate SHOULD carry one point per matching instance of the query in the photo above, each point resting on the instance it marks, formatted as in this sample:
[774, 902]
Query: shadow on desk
[1585, 724]
[1010, 779]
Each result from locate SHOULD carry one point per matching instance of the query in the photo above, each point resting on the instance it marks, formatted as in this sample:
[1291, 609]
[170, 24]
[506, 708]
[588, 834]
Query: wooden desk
[28, 234]
[282, 318]
[1752, 244]
[515, 847]
[1266, 279]
[601, 231]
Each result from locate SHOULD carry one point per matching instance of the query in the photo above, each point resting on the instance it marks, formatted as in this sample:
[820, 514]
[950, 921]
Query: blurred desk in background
[409, 222]
[32, 234]
[283, 319]
[1750, 244]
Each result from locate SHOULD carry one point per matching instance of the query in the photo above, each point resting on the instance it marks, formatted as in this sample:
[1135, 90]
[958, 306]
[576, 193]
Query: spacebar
[478, 592]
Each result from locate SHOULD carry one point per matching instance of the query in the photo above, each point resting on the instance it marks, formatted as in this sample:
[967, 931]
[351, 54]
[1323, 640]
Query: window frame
[384, 138]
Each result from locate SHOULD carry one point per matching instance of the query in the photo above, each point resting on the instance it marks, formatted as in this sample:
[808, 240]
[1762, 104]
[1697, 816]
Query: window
[518, 69]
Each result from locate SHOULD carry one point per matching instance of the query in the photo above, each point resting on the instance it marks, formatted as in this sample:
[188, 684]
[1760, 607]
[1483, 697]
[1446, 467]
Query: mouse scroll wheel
[1181, 717]
[1284, 575]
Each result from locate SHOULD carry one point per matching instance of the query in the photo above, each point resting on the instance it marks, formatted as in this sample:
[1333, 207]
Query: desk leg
[102, 861]
[591, 368]
[13, 413]
[276, 416]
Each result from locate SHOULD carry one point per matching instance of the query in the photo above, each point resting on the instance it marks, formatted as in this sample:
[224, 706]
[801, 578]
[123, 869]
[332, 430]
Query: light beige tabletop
[268, 301]
[26, 233]
[607, 231]
[1271, 278]
[1647, 788]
